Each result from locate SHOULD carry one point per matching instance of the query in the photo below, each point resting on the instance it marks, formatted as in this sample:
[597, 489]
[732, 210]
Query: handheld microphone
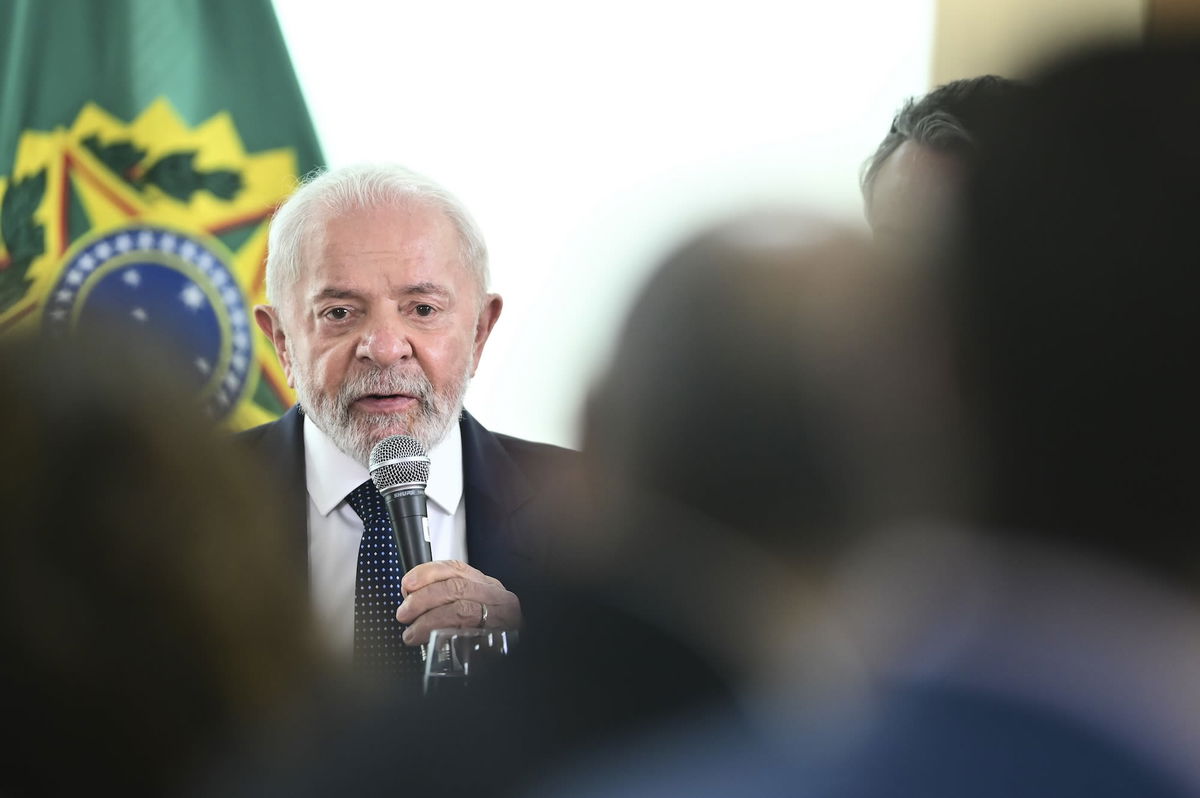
[400, 470]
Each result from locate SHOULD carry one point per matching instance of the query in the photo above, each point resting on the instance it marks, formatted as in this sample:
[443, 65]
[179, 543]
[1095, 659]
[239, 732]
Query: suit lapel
[495, 489]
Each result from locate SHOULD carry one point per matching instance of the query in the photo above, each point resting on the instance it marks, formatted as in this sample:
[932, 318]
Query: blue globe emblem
[148, 282]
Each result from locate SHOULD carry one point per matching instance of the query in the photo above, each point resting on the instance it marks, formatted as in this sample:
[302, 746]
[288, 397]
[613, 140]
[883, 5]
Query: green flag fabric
[143, 146]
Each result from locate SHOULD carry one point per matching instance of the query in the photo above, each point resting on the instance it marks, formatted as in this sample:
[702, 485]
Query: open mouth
[385, 403]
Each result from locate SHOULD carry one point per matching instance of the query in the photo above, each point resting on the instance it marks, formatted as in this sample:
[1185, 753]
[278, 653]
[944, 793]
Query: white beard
[357, 433]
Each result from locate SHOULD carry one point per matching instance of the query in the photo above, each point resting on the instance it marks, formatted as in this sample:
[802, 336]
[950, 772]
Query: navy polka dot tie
[379, 650]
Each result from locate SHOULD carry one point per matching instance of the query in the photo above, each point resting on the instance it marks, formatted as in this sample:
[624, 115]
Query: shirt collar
[331, 474]
[445, 488]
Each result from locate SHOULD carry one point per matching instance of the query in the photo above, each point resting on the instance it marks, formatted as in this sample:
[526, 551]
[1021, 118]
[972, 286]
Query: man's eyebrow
[425, 289]
[337, 293]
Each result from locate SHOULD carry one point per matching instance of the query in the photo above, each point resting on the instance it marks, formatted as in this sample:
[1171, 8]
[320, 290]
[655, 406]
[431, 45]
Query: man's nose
[384, 342]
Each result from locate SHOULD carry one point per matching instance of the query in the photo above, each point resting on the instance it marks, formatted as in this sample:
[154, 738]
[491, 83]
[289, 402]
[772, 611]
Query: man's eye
[425, 310]
[337, 314]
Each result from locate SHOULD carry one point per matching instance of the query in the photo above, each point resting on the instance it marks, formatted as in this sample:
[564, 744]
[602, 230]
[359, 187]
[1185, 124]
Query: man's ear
[489, 312]
[267, 318]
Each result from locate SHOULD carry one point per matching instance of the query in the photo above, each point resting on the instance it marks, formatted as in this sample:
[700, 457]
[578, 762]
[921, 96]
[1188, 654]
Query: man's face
[914, 198]
[383, 328]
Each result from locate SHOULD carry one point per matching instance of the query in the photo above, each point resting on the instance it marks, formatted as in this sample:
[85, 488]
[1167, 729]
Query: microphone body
[410, 525]
[400, 470]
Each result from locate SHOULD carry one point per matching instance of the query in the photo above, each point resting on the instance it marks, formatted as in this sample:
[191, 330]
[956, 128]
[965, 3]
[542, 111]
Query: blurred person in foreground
[911, 184]
[150, 625]
[1051, 645]
[379, 311]
[776, 393]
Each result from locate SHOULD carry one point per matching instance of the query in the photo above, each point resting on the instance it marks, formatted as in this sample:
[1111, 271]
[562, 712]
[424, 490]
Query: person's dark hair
[947, 119]
[150, 610]
[1075, 304]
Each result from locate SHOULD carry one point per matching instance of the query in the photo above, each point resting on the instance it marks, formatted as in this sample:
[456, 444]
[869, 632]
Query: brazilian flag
[143, 146]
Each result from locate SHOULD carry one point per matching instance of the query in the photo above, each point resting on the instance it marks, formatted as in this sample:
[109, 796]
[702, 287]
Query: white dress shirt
[335, 530]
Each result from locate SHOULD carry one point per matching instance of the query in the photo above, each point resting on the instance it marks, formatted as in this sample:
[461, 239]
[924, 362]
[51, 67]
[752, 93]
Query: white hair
[325, 194]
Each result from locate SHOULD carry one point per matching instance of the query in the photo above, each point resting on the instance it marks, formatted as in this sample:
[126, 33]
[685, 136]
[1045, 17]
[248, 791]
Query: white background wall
[588, 138]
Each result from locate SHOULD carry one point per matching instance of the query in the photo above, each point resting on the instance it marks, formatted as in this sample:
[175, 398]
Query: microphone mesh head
[399, 462]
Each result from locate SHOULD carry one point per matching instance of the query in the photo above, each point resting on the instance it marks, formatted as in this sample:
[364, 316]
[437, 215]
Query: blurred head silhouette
[150, 609]
[1072, 296]
[776, 389]
[745, 370]
[1048, 646]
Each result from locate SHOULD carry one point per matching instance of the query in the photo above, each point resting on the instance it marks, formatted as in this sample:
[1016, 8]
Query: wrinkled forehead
[408, 225]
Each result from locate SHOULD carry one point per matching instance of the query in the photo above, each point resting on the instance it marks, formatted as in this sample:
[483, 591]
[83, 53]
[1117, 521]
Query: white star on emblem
[192, 297]
[202, 365]
[139, 314]
[132, 278]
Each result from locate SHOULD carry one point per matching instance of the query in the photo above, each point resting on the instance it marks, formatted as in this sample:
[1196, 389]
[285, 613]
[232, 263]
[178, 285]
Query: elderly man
[379, 311]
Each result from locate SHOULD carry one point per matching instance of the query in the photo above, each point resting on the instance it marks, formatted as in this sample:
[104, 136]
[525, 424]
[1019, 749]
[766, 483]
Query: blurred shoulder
[544, 464]
[278, 432]
[536, 451]
[254, 435]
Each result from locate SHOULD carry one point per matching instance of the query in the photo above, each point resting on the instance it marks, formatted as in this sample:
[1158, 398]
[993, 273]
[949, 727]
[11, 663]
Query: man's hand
[448, 593]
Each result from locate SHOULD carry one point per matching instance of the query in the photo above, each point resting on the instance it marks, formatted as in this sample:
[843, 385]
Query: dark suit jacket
[508, 485]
